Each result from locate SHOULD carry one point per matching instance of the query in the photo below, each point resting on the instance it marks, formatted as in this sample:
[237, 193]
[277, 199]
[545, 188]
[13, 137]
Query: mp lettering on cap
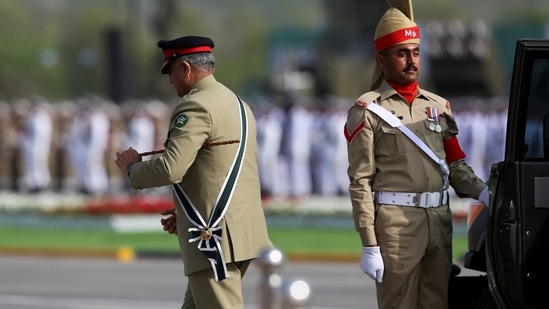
[410, 33]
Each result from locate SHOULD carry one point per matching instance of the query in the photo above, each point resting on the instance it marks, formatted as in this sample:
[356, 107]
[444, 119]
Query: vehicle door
[517, 238]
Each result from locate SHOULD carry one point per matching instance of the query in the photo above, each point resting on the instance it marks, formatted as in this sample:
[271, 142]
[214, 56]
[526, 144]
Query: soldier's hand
[371, 263]
[169, 224]
[126, 157]
[484, 197]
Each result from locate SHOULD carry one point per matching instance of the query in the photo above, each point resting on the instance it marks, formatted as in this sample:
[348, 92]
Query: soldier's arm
[190, 126]
[360, 149]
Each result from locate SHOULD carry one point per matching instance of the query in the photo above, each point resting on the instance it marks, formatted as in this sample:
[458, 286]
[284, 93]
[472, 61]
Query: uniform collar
[386, 91]
[203, 83]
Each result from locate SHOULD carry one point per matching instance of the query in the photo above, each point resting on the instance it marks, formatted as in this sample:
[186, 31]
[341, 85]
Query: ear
[185, 67]
[380, 60]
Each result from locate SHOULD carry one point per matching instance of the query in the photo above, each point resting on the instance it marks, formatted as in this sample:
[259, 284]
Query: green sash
[209, 235]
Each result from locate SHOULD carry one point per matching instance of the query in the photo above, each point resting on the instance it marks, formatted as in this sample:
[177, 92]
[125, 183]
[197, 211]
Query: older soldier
[211, 161]
[403, 153]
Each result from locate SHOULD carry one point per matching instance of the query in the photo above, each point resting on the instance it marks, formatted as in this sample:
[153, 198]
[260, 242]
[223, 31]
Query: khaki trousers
[203, 292]
[416, 246]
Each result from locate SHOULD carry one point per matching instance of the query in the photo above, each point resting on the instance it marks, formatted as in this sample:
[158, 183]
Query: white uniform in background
[476, 157]
[322, 155]
[36, 146]
[337, 121]
[140, 132]
[296, 150]
[496, 130]
[269, 133]
[88, 143]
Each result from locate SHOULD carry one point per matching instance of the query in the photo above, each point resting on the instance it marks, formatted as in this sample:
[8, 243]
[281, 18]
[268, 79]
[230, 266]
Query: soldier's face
[400, 64]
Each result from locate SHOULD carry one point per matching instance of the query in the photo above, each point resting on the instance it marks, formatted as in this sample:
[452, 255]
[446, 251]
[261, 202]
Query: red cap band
[396, 37]
[184, 51]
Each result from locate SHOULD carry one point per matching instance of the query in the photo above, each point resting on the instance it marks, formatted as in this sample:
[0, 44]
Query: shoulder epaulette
[367, 98]
[355, 120]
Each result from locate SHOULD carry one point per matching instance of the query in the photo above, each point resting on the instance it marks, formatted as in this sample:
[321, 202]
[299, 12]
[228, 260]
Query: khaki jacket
[210, 113]
[382, 158]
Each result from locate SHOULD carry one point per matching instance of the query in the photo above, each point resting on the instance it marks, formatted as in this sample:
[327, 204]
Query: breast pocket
[392, 142]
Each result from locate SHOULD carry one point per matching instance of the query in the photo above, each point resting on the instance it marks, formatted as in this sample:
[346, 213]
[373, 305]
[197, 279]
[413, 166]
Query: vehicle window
[537, 112]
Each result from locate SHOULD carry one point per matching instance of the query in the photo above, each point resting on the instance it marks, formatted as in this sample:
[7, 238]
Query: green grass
[286, 239]
[85, 238]
[334, 240]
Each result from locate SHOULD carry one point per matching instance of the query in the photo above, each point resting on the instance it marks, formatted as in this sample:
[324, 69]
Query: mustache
[410, 67]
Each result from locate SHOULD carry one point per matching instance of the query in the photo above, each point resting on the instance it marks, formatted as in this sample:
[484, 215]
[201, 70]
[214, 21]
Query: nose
[410, 59]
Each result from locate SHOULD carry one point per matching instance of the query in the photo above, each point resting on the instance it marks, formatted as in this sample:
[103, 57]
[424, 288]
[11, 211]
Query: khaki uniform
[210, 113]
[382, 158]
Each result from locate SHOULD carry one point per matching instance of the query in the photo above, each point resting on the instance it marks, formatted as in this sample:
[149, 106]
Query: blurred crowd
[70, 147]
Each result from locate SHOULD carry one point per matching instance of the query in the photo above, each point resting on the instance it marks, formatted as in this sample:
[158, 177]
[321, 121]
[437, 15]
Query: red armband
[453, 150]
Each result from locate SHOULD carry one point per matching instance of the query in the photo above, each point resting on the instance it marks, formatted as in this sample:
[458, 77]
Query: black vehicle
[509, 240]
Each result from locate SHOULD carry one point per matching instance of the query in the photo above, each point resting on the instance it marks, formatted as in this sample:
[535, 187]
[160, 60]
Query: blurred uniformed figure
[323, 150]
[496, 130]
[295, 149]
[211, 162]
[329, 152]
[140, 131]
[477, 156]
[87, 146]
[399, 192]
[61, 168]
[269, 133]
[36, 145]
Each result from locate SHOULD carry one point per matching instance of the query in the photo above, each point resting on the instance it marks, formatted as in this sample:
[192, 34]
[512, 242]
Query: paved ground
[82, 283]
[31, 282]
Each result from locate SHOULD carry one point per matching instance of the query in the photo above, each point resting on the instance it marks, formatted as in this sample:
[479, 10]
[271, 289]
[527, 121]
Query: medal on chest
[434, 119]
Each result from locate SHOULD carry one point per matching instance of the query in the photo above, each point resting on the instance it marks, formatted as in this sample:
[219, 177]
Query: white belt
[424, 200]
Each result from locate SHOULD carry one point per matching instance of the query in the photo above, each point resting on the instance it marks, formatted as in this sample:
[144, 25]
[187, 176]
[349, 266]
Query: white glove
[484, 197]
[372, 263]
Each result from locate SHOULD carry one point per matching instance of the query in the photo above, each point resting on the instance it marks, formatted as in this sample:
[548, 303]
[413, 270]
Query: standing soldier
[62, 116]
[87, 146]
[295, 148]
[269, 132]
[36, 146]
[403, 154]
[210, 160]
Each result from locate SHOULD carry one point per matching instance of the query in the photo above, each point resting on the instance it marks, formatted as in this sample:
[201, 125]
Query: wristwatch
[129, 168]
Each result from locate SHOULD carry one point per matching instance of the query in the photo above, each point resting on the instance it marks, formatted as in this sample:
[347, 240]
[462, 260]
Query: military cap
[175, 48]
[395, 27]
